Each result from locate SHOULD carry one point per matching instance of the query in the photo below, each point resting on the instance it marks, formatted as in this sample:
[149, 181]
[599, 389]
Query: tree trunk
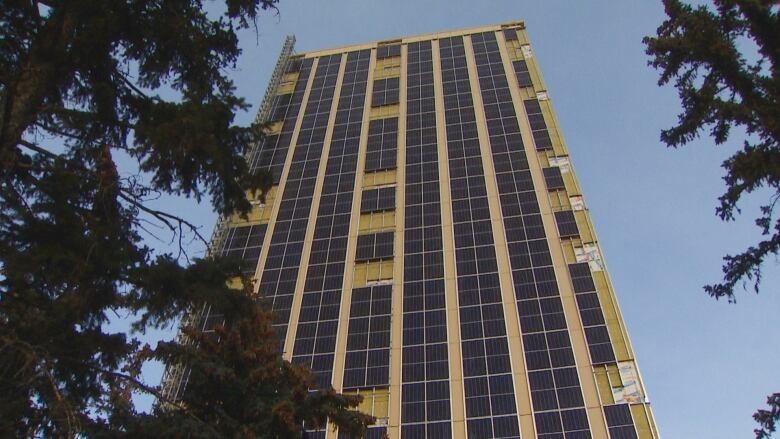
[43, 70]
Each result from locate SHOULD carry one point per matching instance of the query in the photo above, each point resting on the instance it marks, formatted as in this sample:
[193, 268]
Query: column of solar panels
[315, 341]
[596, 333]
[280, 273]
[490, 402]
[368, 339]
[522, 74]
[552, 374]
[273, 149]
[382, 148]
[367, 362]
[425, 393]
[538, 125]
[244, 242]
[619, 421]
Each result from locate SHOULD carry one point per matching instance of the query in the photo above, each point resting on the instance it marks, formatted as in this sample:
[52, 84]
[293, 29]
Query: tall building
[426, 244]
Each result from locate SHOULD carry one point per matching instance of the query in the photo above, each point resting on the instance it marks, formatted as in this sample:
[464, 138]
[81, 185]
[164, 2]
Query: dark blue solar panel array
[600, 347]
[567, 224]
[510, 34]
[375, 246]
[553, 178]
[315, 342]
[273, 149]
[538, 126]
[388, 51]
[425, 392]
[245, 242]
[382, 148]
[371, 433]
[284, 253]
[367, 362]
[591, 314]
[619, 421]
[368, 339]
[522, 74]
[555, 389]
[386, 92]
[377, 200]
[490, 403]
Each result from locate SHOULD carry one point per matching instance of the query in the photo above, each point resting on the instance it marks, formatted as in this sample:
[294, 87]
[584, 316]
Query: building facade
[426, 243]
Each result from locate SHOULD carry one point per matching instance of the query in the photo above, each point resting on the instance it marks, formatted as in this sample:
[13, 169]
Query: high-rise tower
[426, 244]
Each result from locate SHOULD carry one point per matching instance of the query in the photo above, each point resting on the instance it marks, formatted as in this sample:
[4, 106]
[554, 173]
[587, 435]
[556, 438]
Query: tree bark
[41, 75]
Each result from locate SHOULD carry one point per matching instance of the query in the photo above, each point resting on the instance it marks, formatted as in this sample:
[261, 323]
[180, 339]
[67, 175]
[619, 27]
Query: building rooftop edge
[412, 38]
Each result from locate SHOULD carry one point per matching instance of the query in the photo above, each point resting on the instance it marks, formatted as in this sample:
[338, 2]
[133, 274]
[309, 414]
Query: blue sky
[707, 364]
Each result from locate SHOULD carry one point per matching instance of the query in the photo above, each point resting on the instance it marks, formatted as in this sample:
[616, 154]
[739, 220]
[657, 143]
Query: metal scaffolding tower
[176, 375]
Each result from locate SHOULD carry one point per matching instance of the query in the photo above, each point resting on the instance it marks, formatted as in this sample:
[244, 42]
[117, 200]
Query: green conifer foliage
[701, 50]
[81, 83]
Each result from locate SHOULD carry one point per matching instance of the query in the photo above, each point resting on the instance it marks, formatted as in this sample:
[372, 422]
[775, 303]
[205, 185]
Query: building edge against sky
[426, 243]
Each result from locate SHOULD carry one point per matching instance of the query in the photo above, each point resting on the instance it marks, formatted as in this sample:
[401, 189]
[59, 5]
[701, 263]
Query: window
[618, 415]
[244, 242]
[293, 65]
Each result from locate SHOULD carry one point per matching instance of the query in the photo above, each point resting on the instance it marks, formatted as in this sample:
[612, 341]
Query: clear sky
[707, 364]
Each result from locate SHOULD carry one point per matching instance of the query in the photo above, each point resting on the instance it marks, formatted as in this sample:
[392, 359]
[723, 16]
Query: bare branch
[38, 149]
[164, 217]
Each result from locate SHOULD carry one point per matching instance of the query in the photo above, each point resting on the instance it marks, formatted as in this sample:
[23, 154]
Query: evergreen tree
[699, 49]
[80, 84]
[702, 50]
[768, 419]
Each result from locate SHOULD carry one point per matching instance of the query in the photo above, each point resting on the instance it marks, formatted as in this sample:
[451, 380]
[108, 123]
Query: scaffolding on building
[175, 377]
